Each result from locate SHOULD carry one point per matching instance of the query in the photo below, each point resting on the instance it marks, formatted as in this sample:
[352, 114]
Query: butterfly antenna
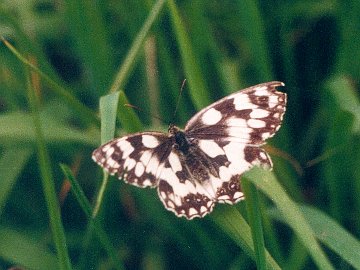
[178, 100]
[140, 110]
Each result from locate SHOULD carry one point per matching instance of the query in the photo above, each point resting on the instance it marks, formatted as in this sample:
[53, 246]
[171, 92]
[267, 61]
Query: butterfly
[196, 167]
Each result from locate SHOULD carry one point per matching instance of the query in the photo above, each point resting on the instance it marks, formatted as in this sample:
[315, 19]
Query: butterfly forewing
[201, 165]
[138, 158]
[249, 116]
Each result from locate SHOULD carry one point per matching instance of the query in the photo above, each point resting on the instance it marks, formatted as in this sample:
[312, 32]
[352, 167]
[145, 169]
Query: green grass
[66, 72]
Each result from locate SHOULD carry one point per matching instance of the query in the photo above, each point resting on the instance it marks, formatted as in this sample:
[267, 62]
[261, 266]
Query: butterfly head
[172, 130]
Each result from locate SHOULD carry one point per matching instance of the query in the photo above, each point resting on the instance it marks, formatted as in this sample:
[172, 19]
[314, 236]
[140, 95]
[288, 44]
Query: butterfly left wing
[137, 158]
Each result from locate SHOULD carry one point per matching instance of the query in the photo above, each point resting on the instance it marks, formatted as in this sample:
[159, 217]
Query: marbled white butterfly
[196, 167]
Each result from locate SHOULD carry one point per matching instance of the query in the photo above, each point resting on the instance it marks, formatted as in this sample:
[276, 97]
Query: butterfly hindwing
[209, 172]
[190, 184]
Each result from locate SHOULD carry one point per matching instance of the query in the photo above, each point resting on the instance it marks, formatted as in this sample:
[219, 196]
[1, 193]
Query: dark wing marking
[138, 158]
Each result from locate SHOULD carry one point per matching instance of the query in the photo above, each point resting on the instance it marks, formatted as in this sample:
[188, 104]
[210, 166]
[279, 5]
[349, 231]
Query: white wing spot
[171, 204]
[175, 162]
[259, 113]
[265, 135]
[109, 151]
[263, 155]
[236, 122]
[192, 211]
[129, 164]
[273, 101]
[112, 163]
[149, 141]
[147, 183]
[152, 166]
[224, 197]
[182, 189]
[159, 169]
[235, 154]
[242, 102]
[262, 91]
[239, 133]
[126, 147]
[211, 117]
[145, 157]
[255, 123]
[207, 187]
[224, 174]
[211, 148]
[238, 195]
[139, 169]
[106, 147]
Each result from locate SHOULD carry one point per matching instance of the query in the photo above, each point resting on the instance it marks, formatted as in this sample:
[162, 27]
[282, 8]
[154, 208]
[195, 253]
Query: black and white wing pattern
[137, 158]
[196, 167]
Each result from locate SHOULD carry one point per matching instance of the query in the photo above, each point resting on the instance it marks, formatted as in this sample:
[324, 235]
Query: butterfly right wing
[249, 116]
[231, 132]
[137, 158]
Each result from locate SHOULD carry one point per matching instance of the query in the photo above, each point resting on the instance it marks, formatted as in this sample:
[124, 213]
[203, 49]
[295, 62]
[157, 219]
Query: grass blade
[109, 105]
[346, 99]
[86, 207]
[48, 183]
[128, 118]
[130, 60]
[198, 90]
[15, 248]
[85, 113]
[11, 164]
[253, 209]
[108, 109]
[267, 182]
[330, 233]
[235, 226]
[83, 17]
[335, 237]
[251, 21]
[18, 128]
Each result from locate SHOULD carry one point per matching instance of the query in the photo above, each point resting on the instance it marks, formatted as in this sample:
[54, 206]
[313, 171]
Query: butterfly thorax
[180, 141]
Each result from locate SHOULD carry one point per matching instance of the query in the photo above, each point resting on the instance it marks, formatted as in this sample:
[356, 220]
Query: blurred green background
[57, 59]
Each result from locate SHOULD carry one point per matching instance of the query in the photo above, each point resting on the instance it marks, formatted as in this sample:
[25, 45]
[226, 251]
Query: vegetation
[63, 62]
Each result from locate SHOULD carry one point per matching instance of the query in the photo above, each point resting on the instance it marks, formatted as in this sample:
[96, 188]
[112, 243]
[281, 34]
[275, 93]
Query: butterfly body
[180, 141]
[196, 167]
